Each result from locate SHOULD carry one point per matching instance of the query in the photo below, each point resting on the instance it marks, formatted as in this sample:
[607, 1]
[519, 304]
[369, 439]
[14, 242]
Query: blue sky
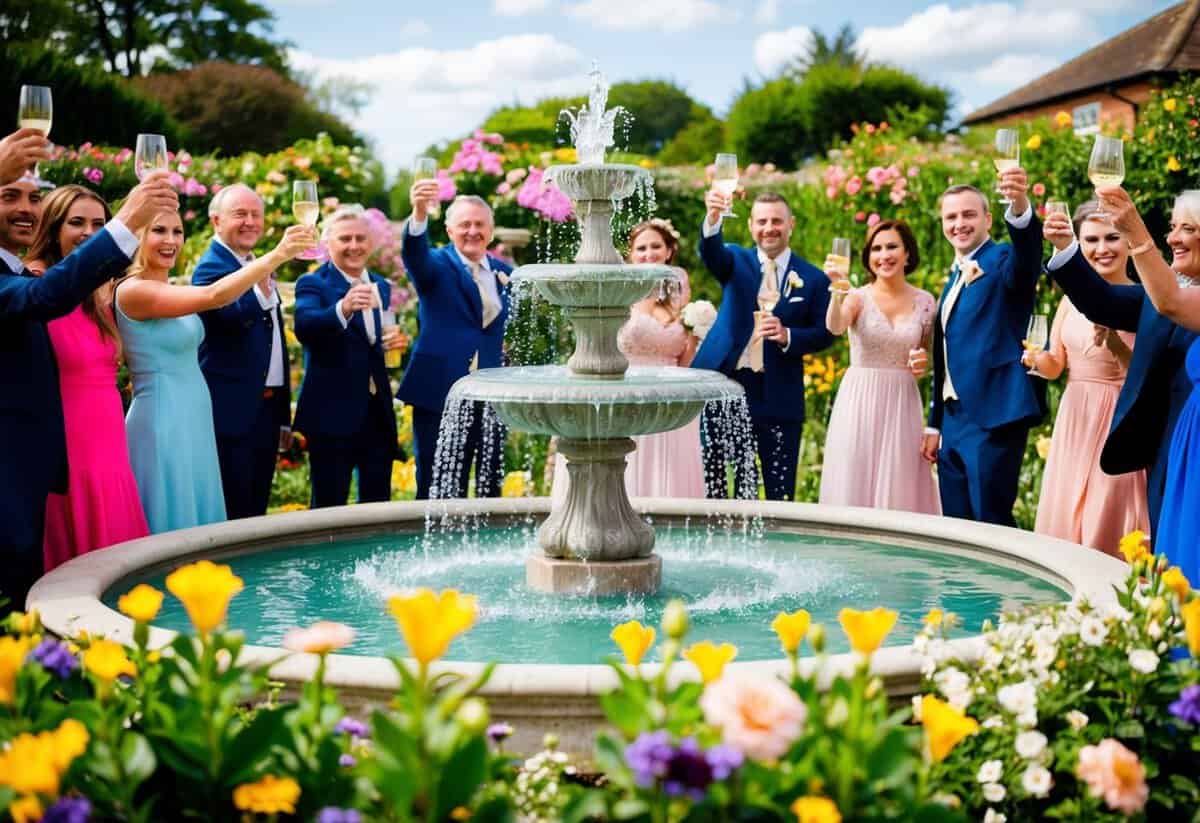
[438, 68]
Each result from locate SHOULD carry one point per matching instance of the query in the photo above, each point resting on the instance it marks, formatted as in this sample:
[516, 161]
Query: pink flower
[1114, 773]
[121, 156]
[1038, 189]
[175, 179]
[194, 188]
[190, 214]
[216, 187]
[83, 147]
[897, 194]
[873, 219]
[330, 202]
[447, 191]
[913, 171]
[503, 188]
[835, 175]
[854, 185]
[321, 637]
[760, 717]
[94, 175]
[870, 128]
[860, 217]
[831, 192]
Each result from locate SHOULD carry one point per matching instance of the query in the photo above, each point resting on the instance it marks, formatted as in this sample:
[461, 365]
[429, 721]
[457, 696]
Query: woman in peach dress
[1079, 502]
[666, 464]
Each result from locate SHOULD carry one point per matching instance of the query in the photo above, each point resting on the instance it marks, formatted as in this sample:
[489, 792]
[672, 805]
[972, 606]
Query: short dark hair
[959, 188]
[906, 237]
[771, 197]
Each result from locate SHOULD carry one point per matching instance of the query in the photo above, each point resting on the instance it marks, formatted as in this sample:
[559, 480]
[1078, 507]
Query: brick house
[1111, 81]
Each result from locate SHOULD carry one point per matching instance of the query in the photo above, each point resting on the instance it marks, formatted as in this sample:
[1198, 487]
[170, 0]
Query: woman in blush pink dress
[1079, 502]
[872, 447]
[101, 506]
[666, 464]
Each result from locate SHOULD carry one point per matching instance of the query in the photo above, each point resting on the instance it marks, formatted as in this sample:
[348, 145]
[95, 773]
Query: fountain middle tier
[594, 285]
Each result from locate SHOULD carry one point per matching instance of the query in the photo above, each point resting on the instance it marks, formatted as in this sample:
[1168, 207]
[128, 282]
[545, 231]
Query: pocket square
[971, 271]
[795, 299]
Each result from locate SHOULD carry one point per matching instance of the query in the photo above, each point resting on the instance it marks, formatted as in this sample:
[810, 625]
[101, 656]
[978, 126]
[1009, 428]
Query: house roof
[1169, 42]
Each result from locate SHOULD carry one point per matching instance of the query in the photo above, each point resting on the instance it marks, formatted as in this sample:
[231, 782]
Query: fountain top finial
[592, 126]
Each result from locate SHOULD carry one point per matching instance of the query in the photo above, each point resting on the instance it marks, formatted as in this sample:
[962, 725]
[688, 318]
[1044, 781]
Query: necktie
[490, 307]
[768, 296]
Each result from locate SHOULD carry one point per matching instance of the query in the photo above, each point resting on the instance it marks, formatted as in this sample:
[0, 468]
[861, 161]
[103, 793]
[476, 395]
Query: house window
[1086, 118]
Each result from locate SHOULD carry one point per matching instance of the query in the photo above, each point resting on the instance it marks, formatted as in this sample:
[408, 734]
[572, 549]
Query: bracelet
[1134, 251]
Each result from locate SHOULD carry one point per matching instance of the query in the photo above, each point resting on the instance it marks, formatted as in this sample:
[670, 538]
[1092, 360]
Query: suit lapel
[467, 284]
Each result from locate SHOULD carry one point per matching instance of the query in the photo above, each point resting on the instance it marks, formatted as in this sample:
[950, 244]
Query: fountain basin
[539, 697]
[553, 400]
[594, 285]
[601, 181]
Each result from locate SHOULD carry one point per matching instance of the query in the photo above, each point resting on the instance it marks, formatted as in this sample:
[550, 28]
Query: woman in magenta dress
[872, 455]
[666, 464]
[1079, 502]
[101, 506]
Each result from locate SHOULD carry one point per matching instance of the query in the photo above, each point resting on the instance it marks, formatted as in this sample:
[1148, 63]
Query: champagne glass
[425, 168]
[306, 209]
[725, 179]
[1036, 337]
[841, 255]
[35, 110]
[1107, 164]
[1059, 207]
[391, 357]
[150, 155]
[1008, 154]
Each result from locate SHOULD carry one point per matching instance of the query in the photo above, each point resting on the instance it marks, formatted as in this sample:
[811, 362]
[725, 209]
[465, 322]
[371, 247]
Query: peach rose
[759, 717]
[1114, 773]
[321, 637]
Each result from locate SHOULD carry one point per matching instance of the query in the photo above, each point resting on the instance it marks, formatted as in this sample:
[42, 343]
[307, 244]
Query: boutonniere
[794, 281]
[502, 278]
[971, 271]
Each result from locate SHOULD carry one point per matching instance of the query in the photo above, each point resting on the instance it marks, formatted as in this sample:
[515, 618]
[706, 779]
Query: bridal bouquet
[698, 317]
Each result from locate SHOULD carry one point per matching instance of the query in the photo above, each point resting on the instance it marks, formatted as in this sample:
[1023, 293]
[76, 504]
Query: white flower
[1154, 630]
[990, 771]
[697, 315]
[955, 686]
[1092, 630]
[993, 816]
[1143, 660]
[1027, 719]
[1037, 781]
[1018, 698]
[1030, 744]
[916, 704]
[1044, 656]
[795, 281]
[1077, 719]
[994, 792]
[993, 722]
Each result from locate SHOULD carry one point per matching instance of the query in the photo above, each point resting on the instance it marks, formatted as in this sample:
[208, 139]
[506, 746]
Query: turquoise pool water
[733, 585]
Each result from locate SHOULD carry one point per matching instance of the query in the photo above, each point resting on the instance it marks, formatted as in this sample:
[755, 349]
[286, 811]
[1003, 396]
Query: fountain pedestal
[642, 575]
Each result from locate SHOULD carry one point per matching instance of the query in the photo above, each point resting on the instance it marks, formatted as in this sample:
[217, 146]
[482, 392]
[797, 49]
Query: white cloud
[767, 12]
[516, 8]
[775, 49]
[415, 28]
[1007, 71]
[669, 15]
[423, 95]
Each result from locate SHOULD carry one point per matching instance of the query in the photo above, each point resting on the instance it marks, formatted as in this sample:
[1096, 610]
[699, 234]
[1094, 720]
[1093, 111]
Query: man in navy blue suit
[345, 405]
[462, 310]
[33, 450]
[244, 357]
[772, 313]
[983, 400]
[1156, 386]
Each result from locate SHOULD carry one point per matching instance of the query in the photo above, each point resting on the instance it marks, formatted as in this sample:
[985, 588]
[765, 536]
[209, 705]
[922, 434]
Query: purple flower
[69, 810]
[724, 761]
[352, 727]
[332, 814]
[688, 771]
[1187, 707]
[347, 761]
[55, 657]
[499, 732]
[648, 756]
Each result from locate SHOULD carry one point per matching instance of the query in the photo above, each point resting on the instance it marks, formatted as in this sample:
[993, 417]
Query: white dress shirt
[126, 241]
[417, 227]
[368, 315]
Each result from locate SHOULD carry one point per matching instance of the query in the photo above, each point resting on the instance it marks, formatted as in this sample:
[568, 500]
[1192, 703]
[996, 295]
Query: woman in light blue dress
[169, 427]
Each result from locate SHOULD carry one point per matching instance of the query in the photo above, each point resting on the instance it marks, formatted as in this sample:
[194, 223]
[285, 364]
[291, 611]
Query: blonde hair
[138, 264]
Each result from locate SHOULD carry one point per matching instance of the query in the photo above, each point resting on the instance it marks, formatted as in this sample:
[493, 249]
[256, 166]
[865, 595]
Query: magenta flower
[447, 191]
[194, 188]
[94, 175]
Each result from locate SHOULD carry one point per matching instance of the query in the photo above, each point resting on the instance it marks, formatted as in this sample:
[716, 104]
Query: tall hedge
[89, 104]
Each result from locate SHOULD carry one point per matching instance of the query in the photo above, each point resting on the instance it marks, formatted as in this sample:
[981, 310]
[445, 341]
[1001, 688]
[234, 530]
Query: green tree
[696, 142]
[824, 51]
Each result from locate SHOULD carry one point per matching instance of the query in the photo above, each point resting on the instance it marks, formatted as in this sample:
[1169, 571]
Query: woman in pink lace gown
[1079, 502]
[666, 464]
[101, 506]
[872, 448]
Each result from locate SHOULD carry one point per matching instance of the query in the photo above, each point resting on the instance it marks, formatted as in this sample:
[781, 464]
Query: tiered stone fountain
[594, 542]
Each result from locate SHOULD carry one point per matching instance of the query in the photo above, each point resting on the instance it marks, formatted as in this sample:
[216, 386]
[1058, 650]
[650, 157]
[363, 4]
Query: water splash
[592, 126]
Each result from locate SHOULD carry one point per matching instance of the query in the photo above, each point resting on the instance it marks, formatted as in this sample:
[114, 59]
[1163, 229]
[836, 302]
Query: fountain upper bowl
[601, 181]
[587, 285]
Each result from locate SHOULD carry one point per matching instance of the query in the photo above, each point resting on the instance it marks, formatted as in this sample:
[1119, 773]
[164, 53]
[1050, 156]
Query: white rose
[993, 816]
[991, 771]
[1037, 781]
[1092, 630]
[1077, 719]
[1143, 660]
[1027, 719]
[698, 313]
[994, 792]
[1018, 698]
[1030, 744]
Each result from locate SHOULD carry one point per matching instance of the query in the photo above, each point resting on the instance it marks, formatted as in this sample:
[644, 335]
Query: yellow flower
[515, 485]
[1173, 163]
[634, 639]
[141, 603]
[1034, 142]
[205, 589]
[566, 155]
[945, 726]
[1043, 446]
[1134, 546]
[429, 622]
[1175, 580]
[791, 629]
[293, 507]
[404, 476]
[29, 623]
[811, 809]
[710, 658]
[12, 656]
[867, 630]
[1191, 625]
[27, 765]
[934, 618]
[270, 795]
[460, 813]
[290, 337]
[70, 740]
[26, 809]
[1170, 103]
[107, 660]
[646, 163]
[1063, 119]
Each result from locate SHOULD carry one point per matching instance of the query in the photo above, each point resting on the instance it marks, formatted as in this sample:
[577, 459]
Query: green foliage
[90, 105]
[822, 51]
[697, 142]
[1166, 151]
[233, 109]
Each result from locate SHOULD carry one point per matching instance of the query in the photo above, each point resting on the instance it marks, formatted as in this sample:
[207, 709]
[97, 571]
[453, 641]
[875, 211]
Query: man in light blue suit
[244, 357]
[33, 449]
[345, 405]
[463, 307]
[983, 401]
[772, 313]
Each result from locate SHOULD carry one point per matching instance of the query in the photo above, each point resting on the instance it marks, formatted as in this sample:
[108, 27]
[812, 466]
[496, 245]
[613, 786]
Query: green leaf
[137, 758]
[891, 758]
[585, 806]
[461, 775]
[626, 712]
[252, 744]
[1129, 730]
